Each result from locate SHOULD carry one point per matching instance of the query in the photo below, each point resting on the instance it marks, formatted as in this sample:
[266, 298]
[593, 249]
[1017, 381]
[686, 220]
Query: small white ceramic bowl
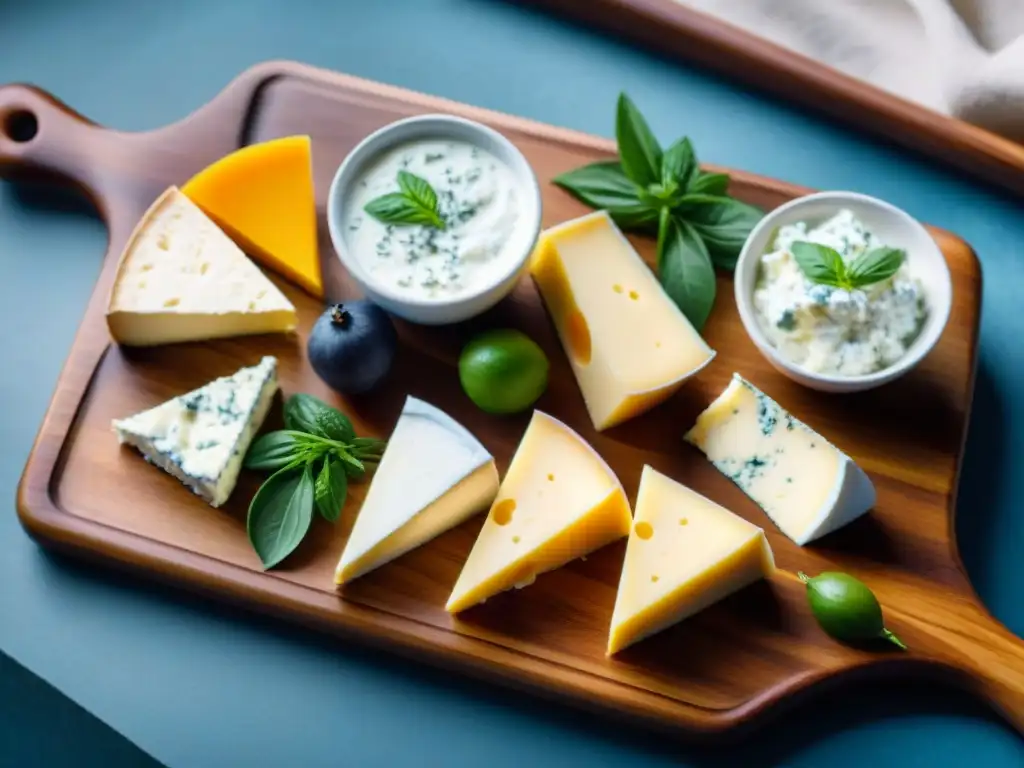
[895, 228]
[517, 250]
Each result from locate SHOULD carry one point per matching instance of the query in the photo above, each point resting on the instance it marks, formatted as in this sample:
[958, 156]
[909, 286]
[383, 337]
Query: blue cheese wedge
[181, 278]
[806, 485]
[201, 437]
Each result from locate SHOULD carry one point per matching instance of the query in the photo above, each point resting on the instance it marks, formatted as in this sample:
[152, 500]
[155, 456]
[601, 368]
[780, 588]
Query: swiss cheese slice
[558, 501]
[629, 345]
[433, 475]
[262, 195]
[806, 485]
[180, 278]
[684, 553]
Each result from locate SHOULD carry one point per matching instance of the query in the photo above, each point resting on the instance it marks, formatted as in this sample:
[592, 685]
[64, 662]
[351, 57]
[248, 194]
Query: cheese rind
[433, 476]
[201, 437]
[806, 485]
[558, 501]
[684, 553]
[180, 278]
[629, 345]
[263, 196]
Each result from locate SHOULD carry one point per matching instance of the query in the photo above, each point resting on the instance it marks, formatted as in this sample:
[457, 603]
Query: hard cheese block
[201, 437]
[263, 196]
[684, 553]
[558, 501]
[629, 345]
[180, 278]
[806, 485]
[433, 475]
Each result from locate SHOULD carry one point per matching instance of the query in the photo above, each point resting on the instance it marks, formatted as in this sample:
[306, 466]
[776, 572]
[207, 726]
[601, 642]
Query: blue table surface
[197, 684]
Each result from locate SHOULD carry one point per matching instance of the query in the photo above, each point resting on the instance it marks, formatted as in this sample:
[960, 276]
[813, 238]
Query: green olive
[846, 608]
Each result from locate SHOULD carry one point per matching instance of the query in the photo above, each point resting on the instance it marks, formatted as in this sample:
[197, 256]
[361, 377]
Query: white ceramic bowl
[895, 228]
[518, 248]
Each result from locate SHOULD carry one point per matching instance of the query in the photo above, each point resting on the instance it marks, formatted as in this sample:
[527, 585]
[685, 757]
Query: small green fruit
[503, 371]
[846, 608]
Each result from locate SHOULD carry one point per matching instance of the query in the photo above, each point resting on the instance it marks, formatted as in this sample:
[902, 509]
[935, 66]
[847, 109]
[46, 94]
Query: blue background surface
[199, 685]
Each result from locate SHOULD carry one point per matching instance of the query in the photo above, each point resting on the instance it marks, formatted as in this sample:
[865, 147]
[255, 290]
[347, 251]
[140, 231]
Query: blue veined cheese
[201, 437]
[806, 485]
[830, 330]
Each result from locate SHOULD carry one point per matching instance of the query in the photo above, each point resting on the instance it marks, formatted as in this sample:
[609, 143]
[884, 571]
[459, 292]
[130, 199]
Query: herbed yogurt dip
[830, 330]
[479, 200]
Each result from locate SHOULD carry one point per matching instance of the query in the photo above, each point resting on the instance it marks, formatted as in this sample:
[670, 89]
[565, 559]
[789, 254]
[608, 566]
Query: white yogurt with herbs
[830, 330]
[479, 201]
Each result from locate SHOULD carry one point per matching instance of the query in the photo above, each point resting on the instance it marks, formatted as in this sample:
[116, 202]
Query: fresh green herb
[316, 435]
[414, 203]
[665, 193]
[825, 265]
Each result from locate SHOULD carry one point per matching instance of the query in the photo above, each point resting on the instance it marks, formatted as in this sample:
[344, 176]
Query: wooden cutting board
[723, 668]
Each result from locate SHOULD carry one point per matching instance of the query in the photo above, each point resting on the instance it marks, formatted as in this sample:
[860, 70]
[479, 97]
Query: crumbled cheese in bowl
[829, 330]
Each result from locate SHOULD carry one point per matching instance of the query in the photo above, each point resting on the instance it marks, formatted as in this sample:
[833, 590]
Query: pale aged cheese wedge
[684, 553]
[201, 437]
[181, 278]
[558, 501]
[434, 475]
[629, 345]
[806, 485]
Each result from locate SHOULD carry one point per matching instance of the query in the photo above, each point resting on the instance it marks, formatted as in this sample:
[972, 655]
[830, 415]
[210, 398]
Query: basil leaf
[353, 466]
[396, 208]
[679, 164]
[418, 190]
[605, 186]
[710, 184]
[874, 266]
[684, 268]
[280, 514]
[368, 448]
[819, 263]
[275, 450]
[330, 489]
[306, 413]
[639, 151]
[722, 223]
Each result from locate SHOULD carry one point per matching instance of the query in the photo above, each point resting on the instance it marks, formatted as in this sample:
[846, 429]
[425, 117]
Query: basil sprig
[825, 265]
[664, 192]
[414, 203]
[311, 459]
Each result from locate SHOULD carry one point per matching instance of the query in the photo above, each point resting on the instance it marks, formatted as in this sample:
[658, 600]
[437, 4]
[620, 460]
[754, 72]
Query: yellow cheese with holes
[558, 501]
[180, 278]
[262, 195]
[806, 485]
[629, 345]
[684, 553]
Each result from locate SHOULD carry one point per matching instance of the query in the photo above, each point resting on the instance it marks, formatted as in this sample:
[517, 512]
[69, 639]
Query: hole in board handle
[20, 126]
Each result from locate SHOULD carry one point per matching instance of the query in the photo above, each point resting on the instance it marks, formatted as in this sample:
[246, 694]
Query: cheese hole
[657, 344]
[252, 306]
[644, 530]
[146, 267]
[578, 335]
[654, 577]
[142, 284]
[172, 302]
[163, 242]
[261, 294]
[203, 267]
[617, 288]
[634, 295]
[683, 521]
[502, 512]
[515, 539]
[551, 478]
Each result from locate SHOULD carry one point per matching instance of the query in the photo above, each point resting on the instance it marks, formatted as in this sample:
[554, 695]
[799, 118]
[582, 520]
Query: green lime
[846, 608]
[503, 371]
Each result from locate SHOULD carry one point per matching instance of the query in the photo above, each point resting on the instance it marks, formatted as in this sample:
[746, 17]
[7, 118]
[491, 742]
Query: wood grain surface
[675, 30]
[723, 668]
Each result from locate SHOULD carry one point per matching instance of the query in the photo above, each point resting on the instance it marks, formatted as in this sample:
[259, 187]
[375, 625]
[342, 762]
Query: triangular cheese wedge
[558, 501]
[806, 485]
[629, 345]
[180, 278]
[201, 437]
[433, 475]
[684, 553]
[262, 195]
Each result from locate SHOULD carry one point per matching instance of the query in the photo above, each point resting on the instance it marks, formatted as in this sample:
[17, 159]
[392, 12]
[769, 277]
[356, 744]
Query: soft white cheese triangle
[201, 437]
[806, 485]
[684, 553]
[433, 475]
[180, 278]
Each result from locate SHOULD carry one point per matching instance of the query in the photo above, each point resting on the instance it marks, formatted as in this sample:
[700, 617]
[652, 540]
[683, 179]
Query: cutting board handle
[41, 137]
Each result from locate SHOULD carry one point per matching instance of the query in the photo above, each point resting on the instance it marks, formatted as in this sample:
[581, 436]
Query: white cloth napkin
[960, 57]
